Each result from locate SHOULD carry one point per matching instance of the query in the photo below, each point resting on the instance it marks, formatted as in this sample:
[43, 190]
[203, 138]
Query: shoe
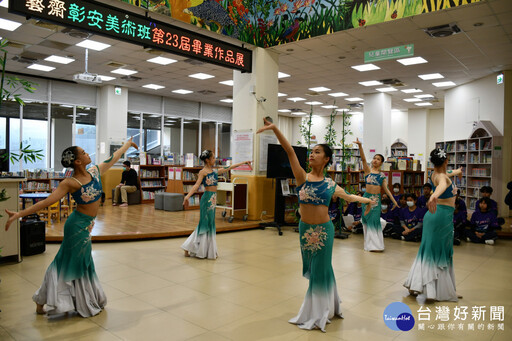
[402, 237]
[489, 242]
[468, 240]
[114, 204]
[123, 205]
[456, 241]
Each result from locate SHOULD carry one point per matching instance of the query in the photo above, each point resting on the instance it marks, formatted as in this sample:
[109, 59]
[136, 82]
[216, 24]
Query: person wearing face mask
[355, 209]
[396, 191]
[411, 221]
[391, 217]
[128, 185]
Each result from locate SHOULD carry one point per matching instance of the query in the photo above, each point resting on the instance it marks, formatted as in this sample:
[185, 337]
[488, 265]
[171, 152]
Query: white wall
[399, 126]
[417, 127]
[435, 132]
[62, 138]
[480, 100]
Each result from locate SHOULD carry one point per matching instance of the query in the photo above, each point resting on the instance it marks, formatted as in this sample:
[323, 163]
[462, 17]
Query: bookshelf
[398, 148]
[352, 162]
[153, 179]
[481, 161]
[349, 180]
[181, 180]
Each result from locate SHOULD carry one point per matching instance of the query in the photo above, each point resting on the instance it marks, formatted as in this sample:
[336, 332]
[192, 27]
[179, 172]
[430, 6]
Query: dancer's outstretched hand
[185, 203]
[12, 217]
[133, 144]
[357, 141]
[432, 204]
[268, 125]
[368, 209]
[460, 174]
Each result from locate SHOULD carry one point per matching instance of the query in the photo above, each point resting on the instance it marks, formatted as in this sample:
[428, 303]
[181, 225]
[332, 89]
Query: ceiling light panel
[424, 96]
[338, 94]
[59, 59]
[412, 61]
[313, 103]
[93, 45]
[431, 76]
[365, 67]
[106, 78]
[423, 104]
[296, 99]
[443, 84]
[182, 91]
[229, 83]
[354, 99]
[412, 100]
[153, 86]
[227, 100]
[388, 89]
[162, 60]
[319, 89]
[124, 72]
[411, 91]
[201, 76]
[40, 67]
[282, 75]
[370, 83]
[9, 25]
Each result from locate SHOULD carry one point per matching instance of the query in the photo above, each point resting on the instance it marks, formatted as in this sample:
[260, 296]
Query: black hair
[458, 191]
[427, 185]
[327, 151]
[69, 155]
[487, 201]
[386, 202]
[438, 157]
[381, 157]
[363, 185]
[397, 184]
[205, 155]
[127, 163]
[410, 195]
[486, 189]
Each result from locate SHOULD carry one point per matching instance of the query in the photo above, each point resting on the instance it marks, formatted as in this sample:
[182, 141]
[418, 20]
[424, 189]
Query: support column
[111, 120]
[418, 122]
[377, 124]
[249, 109]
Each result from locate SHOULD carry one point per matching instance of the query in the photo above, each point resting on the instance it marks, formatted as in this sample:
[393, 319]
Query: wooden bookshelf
[153, 179]
[349, 180]
[31, 185]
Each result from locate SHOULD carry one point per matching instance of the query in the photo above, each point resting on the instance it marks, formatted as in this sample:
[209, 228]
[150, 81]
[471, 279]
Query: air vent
[392, 81]
[24, 60]
[206, 92]
[193, 61]
[153, 51]
[76, 33]
[54, 45]
[116, 65]
[16, 45]
[131, 78]
[355, 105]
[45, 25]
[313, 93]
[442, 31]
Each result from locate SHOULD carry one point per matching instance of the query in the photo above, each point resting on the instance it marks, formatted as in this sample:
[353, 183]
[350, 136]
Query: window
[35, 132]
[133, 130]
[62, 132]
[208, 137]
[152, 126]
[190, 136]
[224, 140]
[85, 133]
[172, 136]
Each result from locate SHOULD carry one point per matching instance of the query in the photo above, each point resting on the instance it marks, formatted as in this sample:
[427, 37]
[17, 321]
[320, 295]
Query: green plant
[330, 135]
[26, 154]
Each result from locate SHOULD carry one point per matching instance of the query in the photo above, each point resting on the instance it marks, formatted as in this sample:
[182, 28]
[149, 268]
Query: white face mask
[396, 190]
[363, 189]
[410, 203]
[384, 207]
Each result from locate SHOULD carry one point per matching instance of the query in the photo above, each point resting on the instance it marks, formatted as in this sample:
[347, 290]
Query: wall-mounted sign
[115, 23]
[389, 53]
[499, 79]
[117, 90]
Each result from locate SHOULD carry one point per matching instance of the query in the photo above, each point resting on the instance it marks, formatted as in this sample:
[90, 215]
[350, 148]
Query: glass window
[35, 132]
[10, 132]
[152, 126]
[3, 132]
[85, 134]
[224, 140]
[133, 130]
[208, 137]
[62, 132]
[172, 136]
[190, 136]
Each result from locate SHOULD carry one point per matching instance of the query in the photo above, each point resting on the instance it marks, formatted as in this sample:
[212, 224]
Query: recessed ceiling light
[424, 96]
[4, 3]
[343, 110]
[201, 76]
[284, 110]
[153, 86]
[230, 82]
[354, 99]
[431, 76]
[282, 75]
[296, 99]
[423, 104]
[365, 67]
[279, 94]
[162, 60]
[299, 113]
[319, 89]
[182, 91]
[388, 89]
[125, 72]
[338, 94]
[9, 25]
[154, 115]
[370, 83]
[59, 59]
[411, 91]
[65, 106]
[412, 100]
[227, 100]
[106, 78]
[412, 61]
[442, 84]
[313, 103]
[329, 106]
[40, 67]
[93, 45]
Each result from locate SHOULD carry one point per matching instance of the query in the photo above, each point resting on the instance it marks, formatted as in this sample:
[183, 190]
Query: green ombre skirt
[372, 227]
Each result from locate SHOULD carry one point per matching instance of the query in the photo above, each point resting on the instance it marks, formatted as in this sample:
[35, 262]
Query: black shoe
[456, 241]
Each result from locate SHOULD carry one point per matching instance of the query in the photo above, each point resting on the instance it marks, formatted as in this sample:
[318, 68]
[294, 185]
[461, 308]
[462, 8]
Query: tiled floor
[250, 292]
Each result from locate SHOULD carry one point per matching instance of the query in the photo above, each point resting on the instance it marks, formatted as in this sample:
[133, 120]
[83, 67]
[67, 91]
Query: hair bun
[67, 158]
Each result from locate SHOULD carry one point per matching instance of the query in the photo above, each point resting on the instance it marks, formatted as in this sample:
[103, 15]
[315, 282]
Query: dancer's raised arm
[366, 168]
[298, 172]
[227, 169]
[116, 156]
[340, 193]
[457, 172]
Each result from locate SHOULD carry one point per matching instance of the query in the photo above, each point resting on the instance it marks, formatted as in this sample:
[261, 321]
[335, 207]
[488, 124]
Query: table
[34, 197]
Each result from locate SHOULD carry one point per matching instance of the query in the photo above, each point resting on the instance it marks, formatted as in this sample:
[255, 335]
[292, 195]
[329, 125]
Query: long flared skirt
[70, 282]
[201, 243]
[372, 227]
[432, 271]
[322, 301]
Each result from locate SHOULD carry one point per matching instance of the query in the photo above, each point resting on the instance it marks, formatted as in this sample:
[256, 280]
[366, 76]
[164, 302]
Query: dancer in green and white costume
[432, 272]
[70, 282]
[316, 233]
[375, 183]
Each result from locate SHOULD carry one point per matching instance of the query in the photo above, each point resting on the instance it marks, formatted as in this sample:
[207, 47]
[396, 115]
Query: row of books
[44, 174]
[147, 173]
[151, 183]
[481, 172]
[150, 195]
[479, 183]
[189, 176]
[401, 163]
[188, 188]
[36, 186]
[194, 200]
[413, 179]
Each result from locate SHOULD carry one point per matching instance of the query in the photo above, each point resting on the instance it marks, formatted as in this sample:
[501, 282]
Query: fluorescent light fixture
[66, 115]
[4, 3]
[162, 60]
[424, 96]
[370, 83]
[365, 67]
[423, 104]
[227, 100]
[201, 76]
[411, 91]
[153, 86]
[154, 115]
[313, 103]
[9, 25]
[338, 94]
[40, 67]
[329, 106]
[82, 114]
[299, 113]
[320, 89]
[431, 76]
[343, 110]
[106, 78]
[229, 83]
[388, 89]
[59, 59]
[125, 72]
[282, 75]
[182, 91]
[93, 45]
[354, 99]
[442, 84]
[65, 106]
[296, 99]
[412, 100]
[412, 61]
[279, 94]
[284, 110]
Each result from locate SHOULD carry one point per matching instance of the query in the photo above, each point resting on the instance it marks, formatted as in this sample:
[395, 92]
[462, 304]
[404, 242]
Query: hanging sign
[389, 53]
[115, 23]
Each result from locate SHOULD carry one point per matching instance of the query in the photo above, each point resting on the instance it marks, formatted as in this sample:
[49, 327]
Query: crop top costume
[211, 179]
[450, 192]
[374, 179]
[91, 191]
[316, 192]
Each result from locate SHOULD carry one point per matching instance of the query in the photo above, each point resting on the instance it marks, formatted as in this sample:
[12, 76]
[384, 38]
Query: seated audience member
[128, 184]
[485, 192]
[462, 203]
[483, 224]
[363, 188]
[423, 199]
[355, 209]
[460, 221]
[396, 191]
[411, 221]
[390, 216]
[402, 201]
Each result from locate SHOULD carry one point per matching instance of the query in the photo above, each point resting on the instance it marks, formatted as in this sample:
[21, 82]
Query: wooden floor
[144, 222]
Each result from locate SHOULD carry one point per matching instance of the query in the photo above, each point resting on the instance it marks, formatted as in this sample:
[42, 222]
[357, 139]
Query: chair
[67, 206]
[134, 198]
[51, 211]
